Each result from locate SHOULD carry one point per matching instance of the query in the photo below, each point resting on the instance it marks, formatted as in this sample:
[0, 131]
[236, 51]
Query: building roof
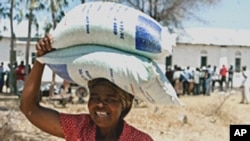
[213, 36]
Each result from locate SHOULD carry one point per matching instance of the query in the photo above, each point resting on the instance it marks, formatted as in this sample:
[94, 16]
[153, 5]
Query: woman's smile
[102, 114]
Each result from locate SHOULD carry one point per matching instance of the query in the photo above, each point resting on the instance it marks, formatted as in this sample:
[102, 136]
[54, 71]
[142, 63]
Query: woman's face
[105, 106]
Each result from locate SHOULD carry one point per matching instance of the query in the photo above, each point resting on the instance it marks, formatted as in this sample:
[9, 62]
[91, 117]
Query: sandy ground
[202, 118]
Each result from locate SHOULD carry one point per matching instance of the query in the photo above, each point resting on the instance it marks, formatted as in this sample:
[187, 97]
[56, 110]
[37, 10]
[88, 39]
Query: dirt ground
[201, 118]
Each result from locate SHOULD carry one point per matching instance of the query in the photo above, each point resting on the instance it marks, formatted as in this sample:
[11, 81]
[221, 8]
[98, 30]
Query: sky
[229, 14]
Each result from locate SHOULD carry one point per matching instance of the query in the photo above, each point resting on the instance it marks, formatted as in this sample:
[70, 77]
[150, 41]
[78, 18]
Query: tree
[56, 8]
[33, 5]
[10, 9]
[13, 39]
[169, 13]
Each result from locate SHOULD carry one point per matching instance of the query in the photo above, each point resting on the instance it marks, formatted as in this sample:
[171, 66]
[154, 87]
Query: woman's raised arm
[44, 118]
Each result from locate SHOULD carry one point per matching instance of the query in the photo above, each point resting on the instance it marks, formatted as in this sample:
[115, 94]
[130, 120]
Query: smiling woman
[125, 98]
[108, 105]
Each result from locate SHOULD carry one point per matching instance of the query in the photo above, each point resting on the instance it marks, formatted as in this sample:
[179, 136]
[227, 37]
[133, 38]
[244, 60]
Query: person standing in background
[178, 80]
[223, 74]
[202, 80]
[13, 83]
[208, 80]
[230, 77]
[169, 74]
[196, 81]
[1, 77]
[20, 76]
[187, 76]
[245, 86]
[7, 81]
[215, 78]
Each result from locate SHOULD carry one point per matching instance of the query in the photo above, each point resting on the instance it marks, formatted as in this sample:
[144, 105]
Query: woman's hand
[43, 46]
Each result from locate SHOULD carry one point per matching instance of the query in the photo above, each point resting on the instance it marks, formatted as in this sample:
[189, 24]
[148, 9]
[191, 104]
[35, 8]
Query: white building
[215, 47]
[20, 51]
[200, 47]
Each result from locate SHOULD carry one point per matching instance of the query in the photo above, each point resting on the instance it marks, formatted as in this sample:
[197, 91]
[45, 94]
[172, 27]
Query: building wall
[183, 55]
[190, 55]
[4, 49]
[20, 49]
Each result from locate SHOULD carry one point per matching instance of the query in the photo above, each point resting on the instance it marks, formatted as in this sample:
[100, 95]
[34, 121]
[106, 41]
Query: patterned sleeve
[74, 126]
[79, 128]
[132, 134]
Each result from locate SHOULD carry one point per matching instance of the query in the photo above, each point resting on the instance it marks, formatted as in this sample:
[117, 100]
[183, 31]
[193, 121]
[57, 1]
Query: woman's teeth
[101, 114]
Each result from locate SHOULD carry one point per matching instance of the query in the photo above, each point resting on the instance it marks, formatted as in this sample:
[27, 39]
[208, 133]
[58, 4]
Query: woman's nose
[100, 104]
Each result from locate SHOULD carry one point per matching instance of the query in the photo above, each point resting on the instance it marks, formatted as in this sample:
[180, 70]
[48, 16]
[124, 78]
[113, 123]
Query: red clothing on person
[82, 128]
[223, 71]
[20, 72]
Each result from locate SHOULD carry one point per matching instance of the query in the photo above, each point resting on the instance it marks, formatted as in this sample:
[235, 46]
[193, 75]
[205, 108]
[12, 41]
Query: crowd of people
[204, 80]
[201, 81]
[18, 77]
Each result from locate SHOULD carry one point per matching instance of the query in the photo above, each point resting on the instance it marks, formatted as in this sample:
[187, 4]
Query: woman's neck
[109, 133]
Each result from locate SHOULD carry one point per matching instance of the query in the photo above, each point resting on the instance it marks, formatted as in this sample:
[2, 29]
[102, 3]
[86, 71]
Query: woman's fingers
[44, 45]
[49, 36]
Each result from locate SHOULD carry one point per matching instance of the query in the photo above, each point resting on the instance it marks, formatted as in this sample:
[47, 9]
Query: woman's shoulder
[77, 125]
[130, 133]
[75, 115]
[74, 119]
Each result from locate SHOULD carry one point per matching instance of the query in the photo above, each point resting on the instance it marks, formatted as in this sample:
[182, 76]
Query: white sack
[135, 74]
[114, 25]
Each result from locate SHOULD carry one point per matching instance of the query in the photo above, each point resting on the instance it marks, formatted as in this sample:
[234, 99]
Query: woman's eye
[111, 100]
[94, 99]
[108, 100]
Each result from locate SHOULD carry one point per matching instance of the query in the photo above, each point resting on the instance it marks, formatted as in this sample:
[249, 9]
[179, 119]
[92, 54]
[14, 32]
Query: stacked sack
[114, 41]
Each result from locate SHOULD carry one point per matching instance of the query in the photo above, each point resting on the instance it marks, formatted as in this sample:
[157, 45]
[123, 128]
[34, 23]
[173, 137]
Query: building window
[238, 61]
[168, 61]
[203, 61]
[203, 58]
[237, 64]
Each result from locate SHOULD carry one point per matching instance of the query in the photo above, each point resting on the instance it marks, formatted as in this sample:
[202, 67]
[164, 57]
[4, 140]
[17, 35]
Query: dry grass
[203, 118]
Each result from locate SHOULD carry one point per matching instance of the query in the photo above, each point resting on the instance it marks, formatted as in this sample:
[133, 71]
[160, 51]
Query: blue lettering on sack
[121, 30]
[112, 7]
[111, 74]
[83, 8]
[99, 8]
[118, 28]
[147, 95]
[115, 27]
[61, 70]
[80, 72]
[87, 24]
[88, 74]
[146, 41]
